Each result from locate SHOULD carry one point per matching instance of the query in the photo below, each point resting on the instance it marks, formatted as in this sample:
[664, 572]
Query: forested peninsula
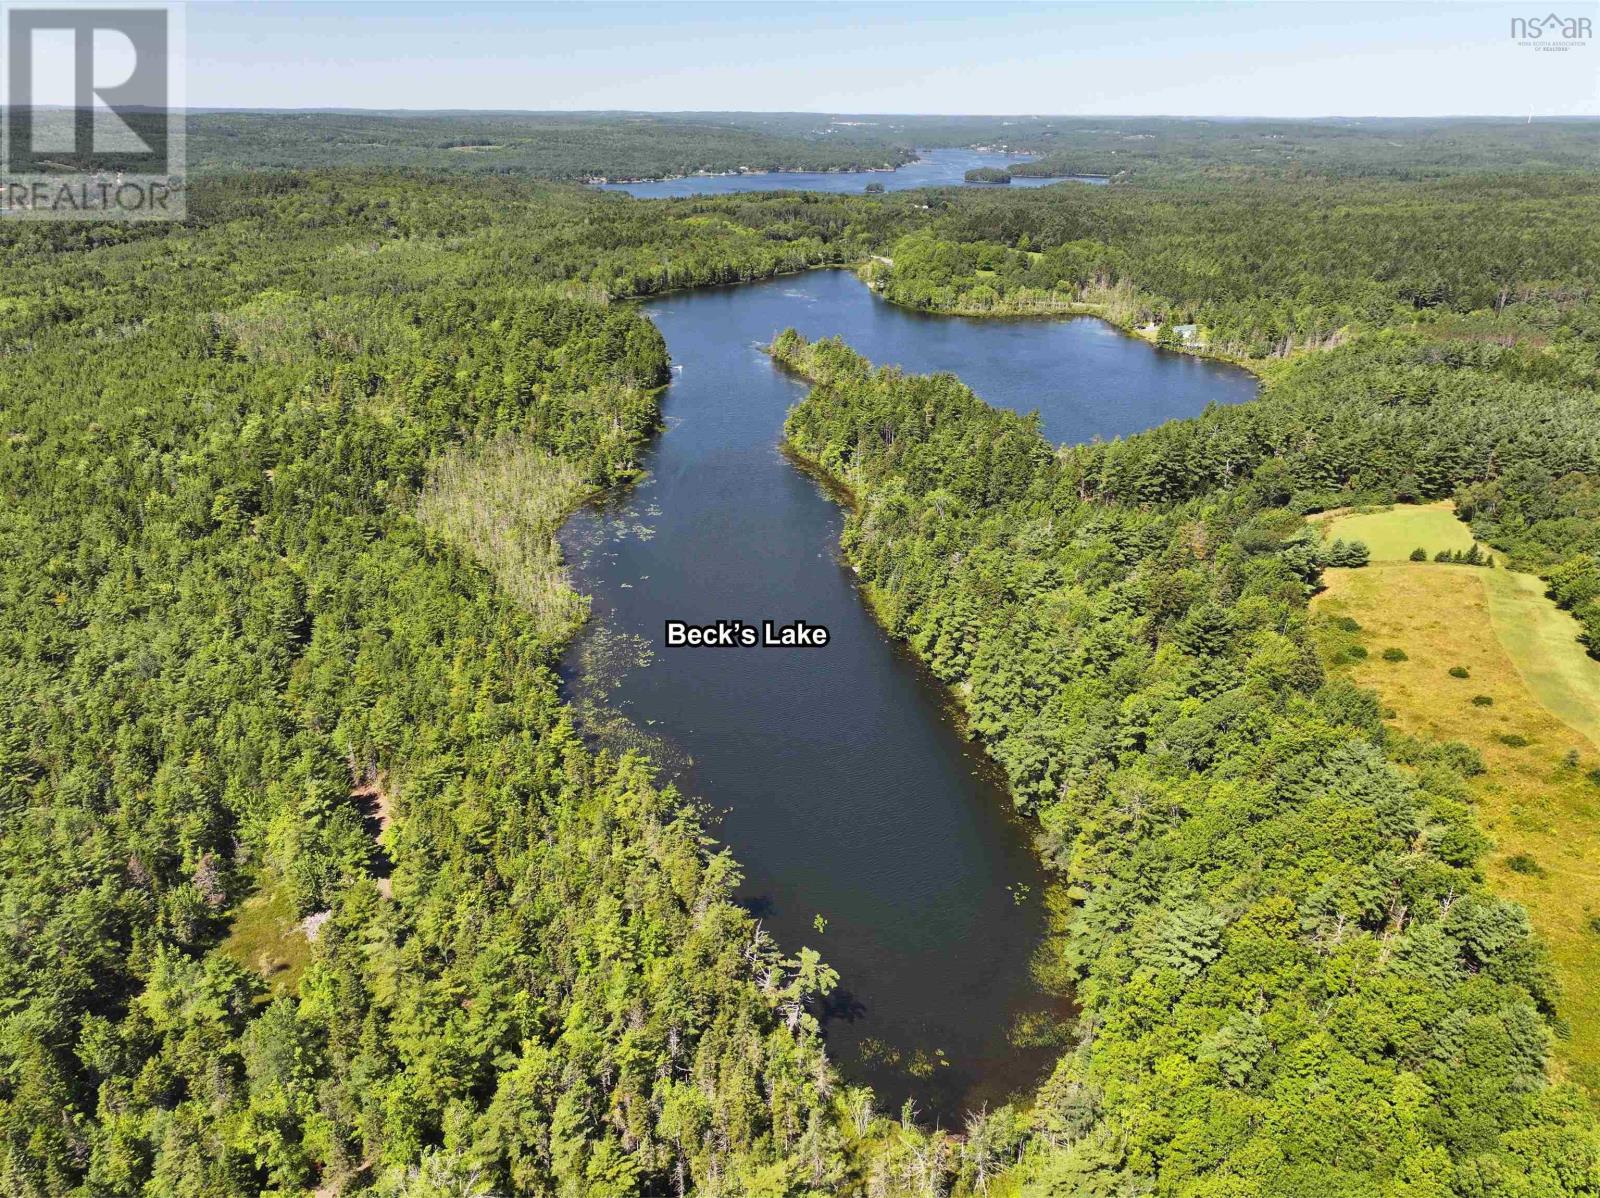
[1288, 964]
[313, 887]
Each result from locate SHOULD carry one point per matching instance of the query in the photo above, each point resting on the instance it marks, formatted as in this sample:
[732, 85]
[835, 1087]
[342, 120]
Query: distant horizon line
[1521, 118]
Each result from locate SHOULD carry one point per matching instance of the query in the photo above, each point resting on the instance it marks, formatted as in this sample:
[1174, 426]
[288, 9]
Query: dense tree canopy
[263, 651]
[634, 145]
[552, 145]
[1293, 979]
[223, 624]
[1264, 268]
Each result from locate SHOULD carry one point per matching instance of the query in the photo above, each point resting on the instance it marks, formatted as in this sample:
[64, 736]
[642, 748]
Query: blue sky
[1280, 58]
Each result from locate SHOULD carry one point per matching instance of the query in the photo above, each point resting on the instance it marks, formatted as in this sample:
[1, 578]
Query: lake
[844, 787]
[935, 168]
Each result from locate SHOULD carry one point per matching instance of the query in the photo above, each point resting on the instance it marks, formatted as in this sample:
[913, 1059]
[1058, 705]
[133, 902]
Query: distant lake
[844, 788]
[936, 168]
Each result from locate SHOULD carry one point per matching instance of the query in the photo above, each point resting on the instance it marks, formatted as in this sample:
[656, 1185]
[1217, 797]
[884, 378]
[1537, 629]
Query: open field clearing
[266, 939]
[1543, 642]
[1391, 534]
[1538, 801]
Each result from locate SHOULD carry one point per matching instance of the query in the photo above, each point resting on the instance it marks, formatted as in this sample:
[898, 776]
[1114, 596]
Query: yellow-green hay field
[1539, 802]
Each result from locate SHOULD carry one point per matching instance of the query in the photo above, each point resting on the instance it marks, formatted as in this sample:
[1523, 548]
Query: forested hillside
[1266, 267]
[1145, 147]
[281, 610]
[551, 145]
[1450, 273]
[225, 632]
[1293, 979]
[1394, 148]
[638, 145]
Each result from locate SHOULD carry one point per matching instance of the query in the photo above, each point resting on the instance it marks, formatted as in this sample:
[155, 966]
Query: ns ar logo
[1551, 25]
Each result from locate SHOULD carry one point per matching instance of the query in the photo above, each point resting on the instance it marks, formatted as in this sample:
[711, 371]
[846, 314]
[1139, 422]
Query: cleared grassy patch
[267, 938]
[1392, 533]
[1540, 638]
[1536, 802]
[1542, 641]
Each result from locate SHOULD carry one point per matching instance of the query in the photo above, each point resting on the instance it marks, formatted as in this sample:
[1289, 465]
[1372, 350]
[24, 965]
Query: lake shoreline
[943, 167]
[742, 173]
[935, 899]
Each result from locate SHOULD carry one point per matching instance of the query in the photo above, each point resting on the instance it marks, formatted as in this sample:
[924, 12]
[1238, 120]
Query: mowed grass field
[1542, 641]
[1539, 734]
[1392, 533]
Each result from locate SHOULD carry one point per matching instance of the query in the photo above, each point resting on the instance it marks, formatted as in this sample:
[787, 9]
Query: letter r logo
[89, 83]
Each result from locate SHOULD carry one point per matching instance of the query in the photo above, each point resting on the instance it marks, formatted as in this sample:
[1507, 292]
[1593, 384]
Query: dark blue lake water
[846, 790]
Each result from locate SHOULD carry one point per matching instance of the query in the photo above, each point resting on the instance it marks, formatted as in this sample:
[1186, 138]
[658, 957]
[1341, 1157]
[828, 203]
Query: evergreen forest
[312, 884]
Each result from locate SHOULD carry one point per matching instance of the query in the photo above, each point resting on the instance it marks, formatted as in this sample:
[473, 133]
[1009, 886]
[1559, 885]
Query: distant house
[1184, 334]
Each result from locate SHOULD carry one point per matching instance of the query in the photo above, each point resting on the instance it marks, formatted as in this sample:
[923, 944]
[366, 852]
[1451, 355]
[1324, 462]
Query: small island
[988, 174]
